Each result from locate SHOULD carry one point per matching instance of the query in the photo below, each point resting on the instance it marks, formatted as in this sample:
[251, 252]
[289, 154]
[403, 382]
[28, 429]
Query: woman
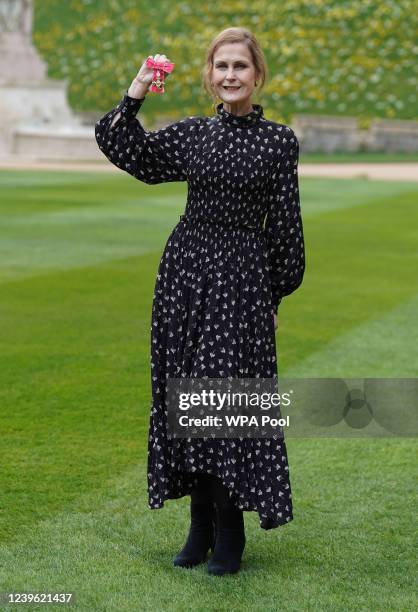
[220, 280]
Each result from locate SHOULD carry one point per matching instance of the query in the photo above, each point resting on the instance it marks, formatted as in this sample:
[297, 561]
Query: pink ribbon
[158, 76]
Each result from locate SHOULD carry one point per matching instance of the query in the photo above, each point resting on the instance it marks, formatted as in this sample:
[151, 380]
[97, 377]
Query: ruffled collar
[247, 120]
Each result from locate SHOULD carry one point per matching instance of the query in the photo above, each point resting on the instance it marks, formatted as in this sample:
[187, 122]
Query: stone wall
[328, 133]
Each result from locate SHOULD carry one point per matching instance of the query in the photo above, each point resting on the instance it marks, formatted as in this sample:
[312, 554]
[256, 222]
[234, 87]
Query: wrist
[137, 89]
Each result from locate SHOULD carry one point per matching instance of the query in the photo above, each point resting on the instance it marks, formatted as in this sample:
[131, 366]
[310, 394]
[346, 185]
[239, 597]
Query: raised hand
[140, 86]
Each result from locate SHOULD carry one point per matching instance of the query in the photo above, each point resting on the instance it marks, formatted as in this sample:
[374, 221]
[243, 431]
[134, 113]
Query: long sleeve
[152, 157]
[283, 226]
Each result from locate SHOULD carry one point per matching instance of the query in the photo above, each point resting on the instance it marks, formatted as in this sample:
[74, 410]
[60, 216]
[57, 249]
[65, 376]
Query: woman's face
[233, 66]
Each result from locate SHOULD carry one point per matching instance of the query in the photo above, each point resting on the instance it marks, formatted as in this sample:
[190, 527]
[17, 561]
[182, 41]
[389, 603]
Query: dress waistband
[199, 218]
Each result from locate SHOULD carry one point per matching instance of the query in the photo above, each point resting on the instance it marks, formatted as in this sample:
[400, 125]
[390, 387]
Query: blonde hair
[234, 35]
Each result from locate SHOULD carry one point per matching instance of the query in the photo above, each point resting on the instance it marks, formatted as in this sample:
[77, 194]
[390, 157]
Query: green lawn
[79, 254]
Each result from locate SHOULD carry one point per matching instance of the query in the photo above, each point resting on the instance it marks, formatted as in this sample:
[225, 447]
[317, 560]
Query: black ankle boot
[230, 541]
[201, 536]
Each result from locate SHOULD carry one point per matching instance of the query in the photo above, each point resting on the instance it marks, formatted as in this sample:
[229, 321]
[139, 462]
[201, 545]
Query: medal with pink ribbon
[160, 68]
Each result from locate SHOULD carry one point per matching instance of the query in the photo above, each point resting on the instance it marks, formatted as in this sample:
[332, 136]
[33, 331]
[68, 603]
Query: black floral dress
[237, 250]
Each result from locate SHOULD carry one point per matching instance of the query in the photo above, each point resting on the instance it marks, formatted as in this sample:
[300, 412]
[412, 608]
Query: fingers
[160, 57]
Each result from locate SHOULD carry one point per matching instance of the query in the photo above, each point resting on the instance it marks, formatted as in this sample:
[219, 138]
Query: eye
[223, 65]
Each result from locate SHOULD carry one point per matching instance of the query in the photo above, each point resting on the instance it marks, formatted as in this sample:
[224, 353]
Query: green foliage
[324, 56]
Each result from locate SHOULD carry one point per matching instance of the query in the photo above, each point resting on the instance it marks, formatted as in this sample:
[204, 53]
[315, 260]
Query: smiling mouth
[230, 88]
